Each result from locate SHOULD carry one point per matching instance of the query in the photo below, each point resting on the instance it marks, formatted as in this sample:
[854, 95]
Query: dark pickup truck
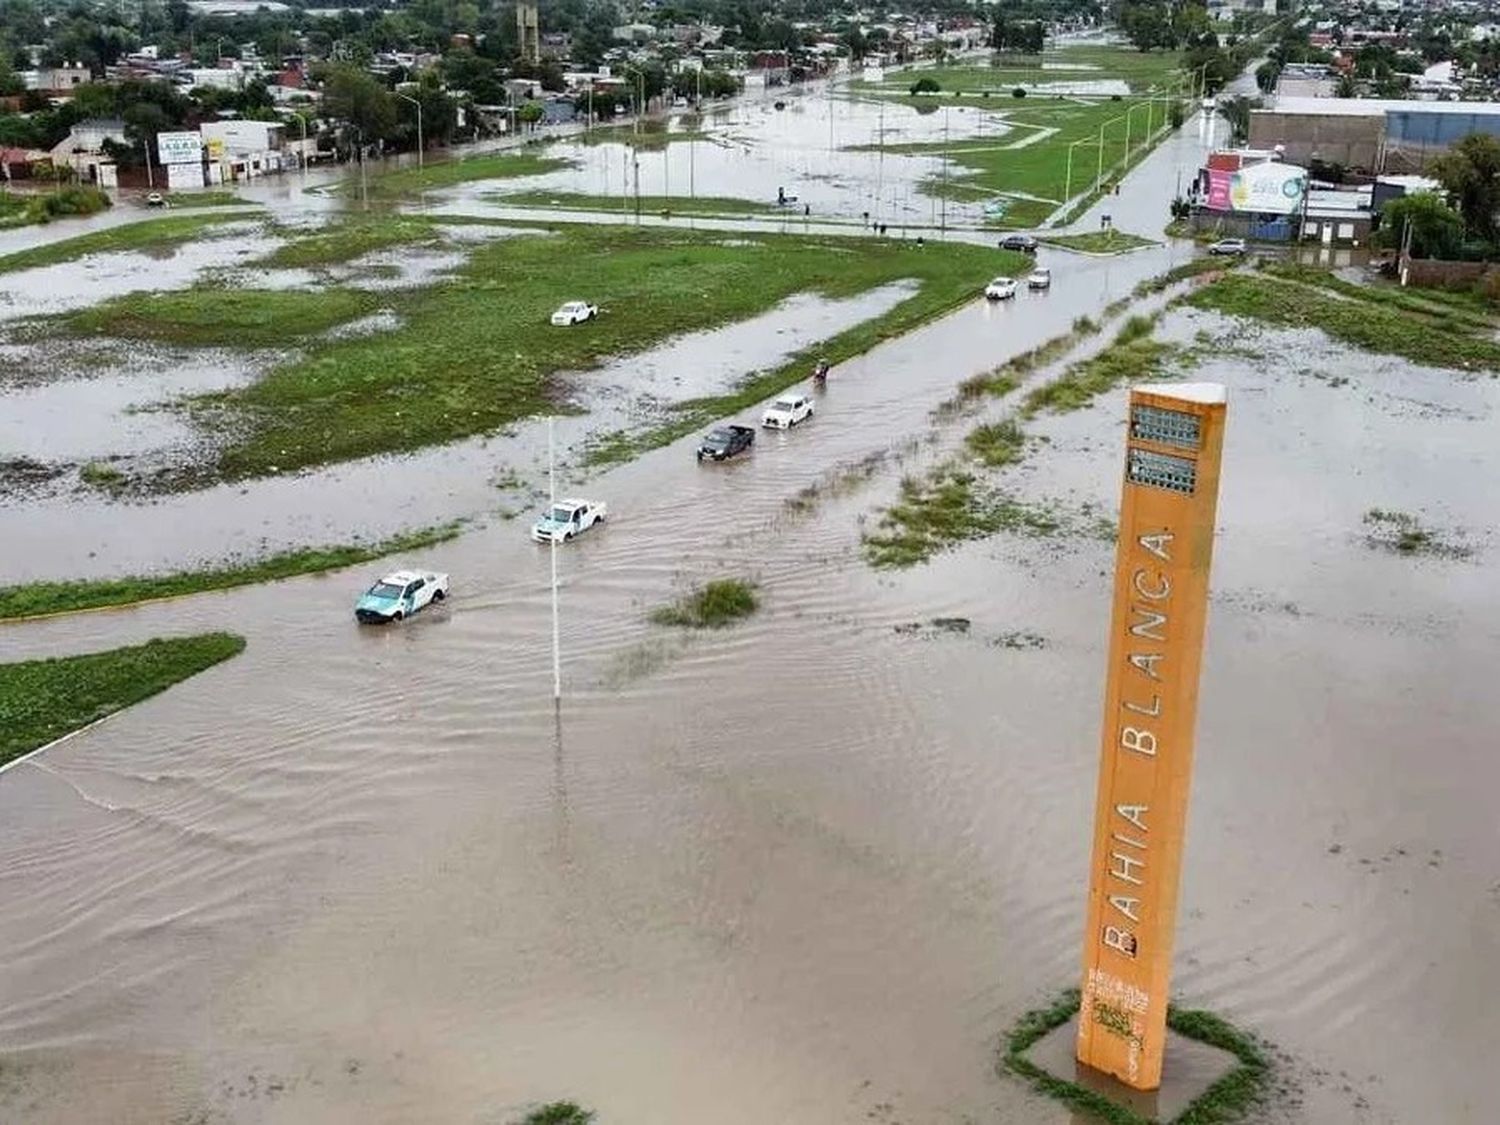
[726, 441]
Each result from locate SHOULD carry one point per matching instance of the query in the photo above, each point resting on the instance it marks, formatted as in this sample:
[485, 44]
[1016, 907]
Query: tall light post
[1099, 175]
[1128, 112]
[1068, 183]
[418, 104]
[635, 150]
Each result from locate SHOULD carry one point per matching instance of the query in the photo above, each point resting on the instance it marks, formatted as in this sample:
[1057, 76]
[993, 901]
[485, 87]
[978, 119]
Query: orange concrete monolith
[1156, 641]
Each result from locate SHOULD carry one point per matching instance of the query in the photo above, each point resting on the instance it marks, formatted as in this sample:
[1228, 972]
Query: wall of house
[1354, 142]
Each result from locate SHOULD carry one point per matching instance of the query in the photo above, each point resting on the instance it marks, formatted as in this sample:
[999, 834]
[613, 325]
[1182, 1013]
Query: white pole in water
[552, 500]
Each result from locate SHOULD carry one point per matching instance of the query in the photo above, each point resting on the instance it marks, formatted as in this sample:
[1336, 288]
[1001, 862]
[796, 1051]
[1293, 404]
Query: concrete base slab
[1189, 1068]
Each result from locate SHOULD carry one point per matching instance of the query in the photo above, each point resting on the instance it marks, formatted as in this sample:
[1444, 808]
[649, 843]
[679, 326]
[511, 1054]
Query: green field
[1099, 242]
[649, 204]
[42, 700]
[211, 316]
[400, 182]
[441, 375]
[1028, 158]
[149, 234]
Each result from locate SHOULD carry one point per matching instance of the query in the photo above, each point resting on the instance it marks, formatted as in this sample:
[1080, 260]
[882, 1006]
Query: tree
[1437, 231]
[354, 96]
[1470, 173]
[925, 85]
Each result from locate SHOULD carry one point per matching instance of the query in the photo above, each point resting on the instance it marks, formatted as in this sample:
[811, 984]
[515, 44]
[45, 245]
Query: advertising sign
[1170, 492]
[1218, 189]
[1271, 188]
[216, 149]
[180, 176]
[179, 148]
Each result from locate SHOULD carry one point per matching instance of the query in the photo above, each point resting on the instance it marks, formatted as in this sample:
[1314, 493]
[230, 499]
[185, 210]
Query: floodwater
[810, 868]
[59, 533]
[807, 869]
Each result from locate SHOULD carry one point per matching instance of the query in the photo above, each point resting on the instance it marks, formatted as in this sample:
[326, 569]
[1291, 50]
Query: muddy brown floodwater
[807, 869]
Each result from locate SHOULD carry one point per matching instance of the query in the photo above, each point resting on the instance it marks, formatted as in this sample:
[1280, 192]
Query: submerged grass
[1193, 267]
[35, 599]
[149, 234]
[42, 700]
[1405, 534]
[211, 316]
[711, 606]
[1375, 325]
[351, 238]
[559, 1113]
[1227, 1100]
[448, 173]
[1133, 357]
[947, 507]
[208, 199]
[997, 443]
[649, 204]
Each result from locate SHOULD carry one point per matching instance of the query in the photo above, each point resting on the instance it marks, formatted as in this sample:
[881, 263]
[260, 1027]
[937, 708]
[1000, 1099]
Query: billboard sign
[179, 148]
[1272, 188]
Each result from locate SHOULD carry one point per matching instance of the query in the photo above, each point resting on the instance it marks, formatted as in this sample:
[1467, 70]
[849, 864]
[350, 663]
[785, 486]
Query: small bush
[559, 1113]
[999, 443]
[1018, 92]
[711, 606]
[925, 85]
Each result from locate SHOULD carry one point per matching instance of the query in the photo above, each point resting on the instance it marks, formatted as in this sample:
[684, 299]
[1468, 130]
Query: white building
[245, 149]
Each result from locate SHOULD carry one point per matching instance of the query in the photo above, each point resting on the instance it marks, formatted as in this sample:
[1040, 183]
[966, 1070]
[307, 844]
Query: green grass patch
[43, 207]
[649, 204]
[449, 173]
[1133, 357]
[653, 134]
[559, 1113]
[208, 199]
[1099, 242]
[711, 606]
[1405, 534]
[35, 599]
[1007, 377]
[997, 443]
[946, 507]
[42, 700]
[353, 237]
[149, 234]
[1227, 1100]
[1193, 267]
[474, 351]
[1447, 316]
[1374, 325]
[210, 316]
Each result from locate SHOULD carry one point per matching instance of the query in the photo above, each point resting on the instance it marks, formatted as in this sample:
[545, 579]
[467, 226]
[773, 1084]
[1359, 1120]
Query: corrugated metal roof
[1374, 107]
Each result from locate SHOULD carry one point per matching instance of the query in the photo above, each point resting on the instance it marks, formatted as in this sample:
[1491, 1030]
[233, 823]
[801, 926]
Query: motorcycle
[820, 373]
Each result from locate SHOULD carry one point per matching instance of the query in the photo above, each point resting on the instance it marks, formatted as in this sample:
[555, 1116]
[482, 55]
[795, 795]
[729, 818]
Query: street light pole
[415, 102]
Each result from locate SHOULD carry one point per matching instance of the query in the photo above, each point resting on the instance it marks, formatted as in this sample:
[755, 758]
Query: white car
[786, 412]
[399, 595]
[1040, 278]
[574, 312]
[567, 518]
[1001, 289]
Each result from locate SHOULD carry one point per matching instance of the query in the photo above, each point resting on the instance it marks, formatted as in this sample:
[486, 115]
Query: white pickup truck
[567, 518]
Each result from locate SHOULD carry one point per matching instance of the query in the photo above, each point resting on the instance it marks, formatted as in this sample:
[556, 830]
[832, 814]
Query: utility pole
[1099, 173]
[551, 502]
[418, 104]
[944, 225]
[146, 148]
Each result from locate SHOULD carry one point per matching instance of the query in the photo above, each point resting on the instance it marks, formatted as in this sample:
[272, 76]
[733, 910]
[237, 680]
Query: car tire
[438, 595]
[398, 616]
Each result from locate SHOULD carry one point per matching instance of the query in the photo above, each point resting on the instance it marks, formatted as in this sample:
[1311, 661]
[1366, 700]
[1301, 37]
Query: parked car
[785, 413]
[1230, 246]
[574, 312]
[725, 442]
[156, 199]
[1022, 243]
[399, 595]
[567, 518]
[1039, 278]
[1001, 289]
